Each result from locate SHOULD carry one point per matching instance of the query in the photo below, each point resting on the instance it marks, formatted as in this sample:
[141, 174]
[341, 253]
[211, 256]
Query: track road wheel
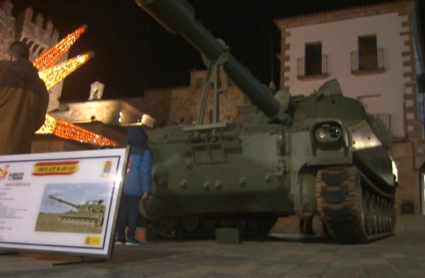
[167, 226]
[252, 226]
[369, 214]
[209, 225]
[353, 208]
[191, 226]
[226, 222]
[265, 224]
[240, 223]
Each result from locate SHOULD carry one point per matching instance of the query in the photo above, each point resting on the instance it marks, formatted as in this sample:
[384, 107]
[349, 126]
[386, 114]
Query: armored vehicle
[321, 154]
[89, 214]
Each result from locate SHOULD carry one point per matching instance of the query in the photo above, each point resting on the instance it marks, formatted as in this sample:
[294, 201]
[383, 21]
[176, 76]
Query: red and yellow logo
[3, 172]
[92, 240]
[55, 168]
[107, 169]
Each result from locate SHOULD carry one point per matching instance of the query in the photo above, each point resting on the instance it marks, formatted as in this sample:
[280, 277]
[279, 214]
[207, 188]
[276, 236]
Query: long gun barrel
[62, 201]
[178, 16]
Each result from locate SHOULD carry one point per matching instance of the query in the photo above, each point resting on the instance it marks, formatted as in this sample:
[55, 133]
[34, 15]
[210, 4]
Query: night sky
[134, 53]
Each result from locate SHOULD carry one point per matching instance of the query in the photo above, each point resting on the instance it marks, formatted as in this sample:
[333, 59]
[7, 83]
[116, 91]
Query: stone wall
[186, 99]
[156, 103]
[408, 176]
[110, 112]
[173, 106]
[39, 34]
[7, 28]
[229, 100]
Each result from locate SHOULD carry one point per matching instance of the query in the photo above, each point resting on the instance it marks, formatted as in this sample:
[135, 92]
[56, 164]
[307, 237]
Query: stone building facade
[105, 117]
[7, 28]
[39, 34]
[172, 106]
[168, 106]
[376, 53]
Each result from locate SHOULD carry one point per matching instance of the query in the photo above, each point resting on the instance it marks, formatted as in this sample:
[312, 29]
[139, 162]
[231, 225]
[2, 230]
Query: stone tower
[7, 27]
[6, 6]
[96, 91]
[39, 35]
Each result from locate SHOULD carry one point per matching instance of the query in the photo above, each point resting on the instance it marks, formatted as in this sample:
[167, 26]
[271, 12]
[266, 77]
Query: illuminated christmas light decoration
[62, 128]
[51, 75]
[55, 74]
[48, 58]
[67, 130]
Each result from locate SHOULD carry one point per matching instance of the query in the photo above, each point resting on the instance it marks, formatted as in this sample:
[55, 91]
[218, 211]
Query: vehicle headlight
[328, 133]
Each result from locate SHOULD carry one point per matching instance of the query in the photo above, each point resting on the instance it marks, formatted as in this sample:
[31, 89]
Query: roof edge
[319, 15]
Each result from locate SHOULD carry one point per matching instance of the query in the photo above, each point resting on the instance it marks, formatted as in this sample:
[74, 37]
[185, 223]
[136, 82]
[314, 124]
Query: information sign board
[63, 203]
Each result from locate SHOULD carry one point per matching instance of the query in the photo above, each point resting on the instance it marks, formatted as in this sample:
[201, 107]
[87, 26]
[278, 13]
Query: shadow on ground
[120, 255]
[274, 237]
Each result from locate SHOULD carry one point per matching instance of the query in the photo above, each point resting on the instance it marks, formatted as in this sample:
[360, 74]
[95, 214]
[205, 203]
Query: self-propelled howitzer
[316, 155]
[89, 214]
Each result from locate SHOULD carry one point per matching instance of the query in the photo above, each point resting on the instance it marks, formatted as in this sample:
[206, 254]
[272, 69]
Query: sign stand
[82, 260]
[75, 202]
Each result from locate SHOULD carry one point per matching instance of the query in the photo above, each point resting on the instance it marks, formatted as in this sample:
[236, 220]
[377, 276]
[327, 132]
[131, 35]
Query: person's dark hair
[19, 50]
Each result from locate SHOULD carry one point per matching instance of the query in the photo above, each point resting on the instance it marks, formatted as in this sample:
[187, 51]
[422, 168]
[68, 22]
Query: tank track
[201, 227]
[80, 222]
[352, 207]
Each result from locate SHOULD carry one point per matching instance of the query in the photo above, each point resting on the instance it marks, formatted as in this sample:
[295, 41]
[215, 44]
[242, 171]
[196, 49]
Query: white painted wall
[339, 39]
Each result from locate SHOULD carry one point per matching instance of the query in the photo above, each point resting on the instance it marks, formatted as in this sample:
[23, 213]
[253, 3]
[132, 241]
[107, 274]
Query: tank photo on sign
[76, 208]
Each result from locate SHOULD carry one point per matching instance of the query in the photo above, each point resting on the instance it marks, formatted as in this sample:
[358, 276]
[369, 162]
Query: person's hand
[145, 195]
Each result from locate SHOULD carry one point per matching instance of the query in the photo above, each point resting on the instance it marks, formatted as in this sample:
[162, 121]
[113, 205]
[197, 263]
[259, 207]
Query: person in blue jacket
[137, 184]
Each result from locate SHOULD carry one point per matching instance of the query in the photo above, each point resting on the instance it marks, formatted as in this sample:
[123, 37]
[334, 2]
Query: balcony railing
[319, 69]
[367, 61]
[385, 118]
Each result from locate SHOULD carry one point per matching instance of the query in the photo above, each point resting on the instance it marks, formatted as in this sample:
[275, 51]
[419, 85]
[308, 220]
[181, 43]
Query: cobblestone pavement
[278, 256]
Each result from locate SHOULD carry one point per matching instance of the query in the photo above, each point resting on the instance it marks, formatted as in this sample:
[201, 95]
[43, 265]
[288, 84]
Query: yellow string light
[49, 125]
[48, 58]
[51, 75]
[67, 130]
[55, 74]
